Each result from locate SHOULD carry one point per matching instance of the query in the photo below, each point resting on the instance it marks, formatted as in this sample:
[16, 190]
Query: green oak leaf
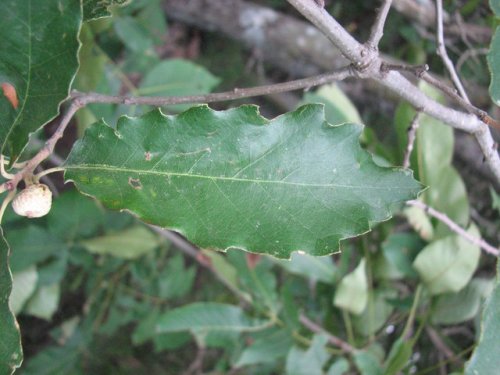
[38, 58]
[11, 354]
[233, 179]
[93, 9]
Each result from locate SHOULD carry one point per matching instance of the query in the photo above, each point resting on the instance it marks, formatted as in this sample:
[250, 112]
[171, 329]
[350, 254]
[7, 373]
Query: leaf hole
[135, 183]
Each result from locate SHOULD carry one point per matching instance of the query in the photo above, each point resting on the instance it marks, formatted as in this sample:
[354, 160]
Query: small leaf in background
[495, 199]
[352, 291]
[314, 268]
[447, 265]
[398, 357]
[493, 57]
[93, 9]
[74, 216]
[338, 107]
[376, 313]
[130, 243]
[133, 35]
[234, 179]
[396, 258]
[170, 341]
[367, 363]
[177, 77]
[486, 357]
[23, 286]
[176, 280]
[310, 361]
[43, 304]
[206, 317]
[268, 346]
[11, 354]
[222, 267]
[38, 59]
[30, 245]
[146, 329]
[454, 308]
[339, 367]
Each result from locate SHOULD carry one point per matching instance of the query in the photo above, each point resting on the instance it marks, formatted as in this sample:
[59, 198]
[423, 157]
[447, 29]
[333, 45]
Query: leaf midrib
[225, 178]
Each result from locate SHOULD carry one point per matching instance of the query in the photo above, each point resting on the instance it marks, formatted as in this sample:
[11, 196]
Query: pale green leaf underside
[234, 179]
[486, 356]
[10, 339]
[38, 57]
[494, 65]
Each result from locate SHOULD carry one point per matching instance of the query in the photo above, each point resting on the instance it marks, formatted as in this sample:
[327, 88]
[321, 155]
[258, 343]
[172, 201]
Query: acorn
[33, 201]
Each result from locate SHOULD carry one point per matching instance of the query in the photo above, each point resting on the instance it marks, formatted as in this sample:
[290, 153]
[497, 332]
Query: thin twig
[441, 51]
[455, 227]
[377, 31]
[237, 93]
[370, 60]
[334, 340]
[412, 131]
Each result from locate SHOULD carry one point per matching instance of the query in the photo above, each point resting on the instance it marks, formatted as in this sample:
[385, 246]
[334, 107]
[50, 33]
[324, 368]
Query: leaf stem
[413, 312]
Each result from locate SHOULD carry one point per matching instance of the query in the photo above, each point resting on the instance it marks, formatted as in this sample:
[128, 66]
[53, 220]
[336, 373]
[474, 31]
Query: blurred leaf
[130, 243]
[206, 317]
[367, 363]
[495, 6]
[133, 35]
[495, 199]
[493, 59]
[222, 267]
[176, 77]
[338, 107]
[30, 245]
[311, 361]
[38, 59]
[53, 271]
[448, 264]
[152, 17]
[93, 9]
[485, 358]
[146, 329]
[268, 347]
[43, 304]
[57, 360]
[420, 222]
[169, 341]
[11, 353]
[376, 312]
[454, 308]
[314, 268]
[176, 280]
[395, 259]
[23, 286]
[240, 185]
[398, 357]
[352, 292]
[92, 62]
[339, 367]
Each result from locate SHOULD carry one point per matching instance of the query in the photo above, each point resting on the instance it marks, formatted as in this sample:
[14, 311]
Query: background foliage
[97, 291]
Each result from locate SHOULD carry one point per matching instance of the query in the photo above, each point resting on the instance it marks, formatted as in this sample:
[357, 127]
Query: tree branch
[377, 31]
[369, 66]
[334, 340]
[455, 227]
[441, 51]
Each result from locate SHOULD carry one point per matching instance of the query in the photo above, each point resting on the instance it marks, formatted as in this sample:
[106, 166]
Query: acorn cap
[33, 201]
